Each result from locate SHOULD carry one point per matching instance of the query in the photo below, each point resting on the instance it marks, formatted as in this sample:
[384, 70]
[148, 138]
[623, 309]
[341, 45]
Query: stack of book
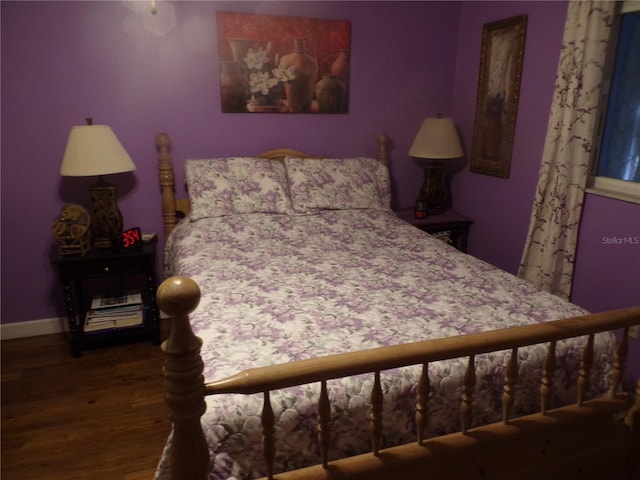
[444, 236]
[108, 312]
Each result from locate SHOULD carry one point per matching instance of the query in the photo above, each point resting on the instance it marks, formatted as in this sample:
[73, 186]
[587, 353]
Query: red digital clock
[128, 240]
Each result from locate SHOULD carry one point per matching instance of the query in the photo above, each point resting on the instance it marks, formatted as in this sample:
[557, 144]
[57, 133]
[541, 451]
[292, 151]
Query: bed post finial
[178, 296]
[167, 182]
[163, 140]
[383, 148]
[184, 382]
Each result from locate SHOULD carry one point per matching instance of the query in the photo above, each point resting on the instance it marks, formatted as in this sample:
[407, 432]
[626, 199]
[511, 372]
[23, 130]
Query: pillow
[337, 184]
[228, 186]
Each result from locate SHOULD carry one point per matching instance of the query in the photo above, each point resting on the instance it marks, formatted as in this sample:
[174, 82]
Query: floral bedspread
[278, 288]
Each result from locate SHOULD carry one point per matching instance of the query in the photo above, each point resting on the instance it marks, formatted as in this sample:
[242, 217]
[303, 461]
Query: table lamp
[94, 150]
[436, 140]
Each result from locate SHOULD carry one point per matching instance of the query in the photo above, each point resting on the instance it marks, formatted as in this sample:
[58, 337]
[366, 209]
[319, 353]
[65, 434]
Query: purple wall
[64, 61]
[607, 273]
[608, 257]
[606, 276]
[501, 207]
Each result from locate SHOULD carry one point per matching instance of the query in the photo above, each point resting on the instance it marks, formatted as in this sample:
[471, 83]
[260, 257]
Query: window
[616, 169]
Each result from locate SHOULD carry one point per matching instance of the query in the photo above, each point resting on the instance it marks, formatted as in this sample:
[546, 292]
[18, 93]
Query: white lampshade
[437, 139]
[94, 150]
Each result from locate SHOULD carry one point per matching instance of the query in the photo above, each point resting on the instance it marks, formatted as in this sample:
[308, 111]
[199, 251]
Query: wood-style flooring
[101, 416]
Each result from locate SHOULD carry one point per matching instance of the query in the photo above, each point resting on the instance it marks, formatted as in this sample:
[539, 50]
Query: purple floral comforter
[278, 288]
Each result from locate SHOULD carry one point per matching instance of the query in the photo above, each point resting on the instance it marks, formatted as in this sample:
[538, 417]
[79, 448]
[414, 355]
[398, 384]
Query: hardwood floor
[101, 416]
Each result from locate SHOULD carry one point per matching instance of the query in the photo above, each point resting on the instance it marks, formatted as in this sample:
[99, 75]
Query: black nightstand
[450, 226]
[136, 267]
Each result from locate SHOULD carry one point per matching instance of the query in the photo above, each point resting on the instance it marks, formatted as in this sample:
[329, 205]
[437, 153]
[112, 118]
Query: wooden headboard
[174, 207]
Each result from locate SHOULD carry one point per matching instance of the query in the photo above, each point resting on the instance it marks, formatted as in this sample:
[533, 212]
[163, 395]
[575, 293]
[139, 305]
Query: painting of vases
[280, 64]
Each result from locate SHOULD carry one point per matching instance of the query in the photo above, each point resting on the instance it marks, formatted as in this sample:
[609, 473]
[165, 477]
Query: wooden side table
[449, 226]
[74, 271]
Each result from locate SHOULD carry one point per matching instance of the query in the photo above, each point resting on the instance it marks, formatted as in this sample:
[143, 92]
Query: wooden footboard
[583, 440]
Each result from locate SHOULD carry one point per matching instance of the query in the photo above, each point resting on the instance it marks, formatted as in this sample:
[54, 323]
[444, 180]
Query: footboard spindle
[632, 420]
[376, 413]
[324, 421]
[547, 378]
[619, 362]
[422, 405]
[585, 370]
[509, 386]
[268, 434]
[466, 406]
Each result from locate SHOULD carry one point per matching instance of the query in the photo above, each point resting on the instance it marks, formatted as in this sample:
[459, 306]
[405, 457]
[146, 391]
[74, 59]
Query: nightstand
[135, 268]
[450, 226]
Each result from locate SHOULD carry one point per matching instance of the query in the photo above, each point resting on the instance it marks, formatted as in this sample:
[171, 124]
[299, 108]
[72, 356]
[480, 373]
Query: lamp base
[434, 190]
[106, 219]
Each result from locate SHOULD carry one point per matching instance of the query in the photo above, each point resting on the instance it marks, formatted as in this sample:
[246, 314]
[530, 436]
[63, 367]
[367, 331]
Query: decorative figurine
[71, 230]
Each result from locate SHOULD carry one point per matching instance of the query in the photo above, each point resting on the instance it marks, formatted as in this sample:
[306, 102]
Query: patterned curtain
[549, 253]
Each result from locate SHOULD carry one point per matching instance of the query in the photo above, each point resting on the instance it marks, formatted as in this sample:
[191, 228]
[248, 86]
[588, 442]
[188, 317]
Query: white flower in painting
[259, 82]
[265, 83]
[256, 59]
[284, 74]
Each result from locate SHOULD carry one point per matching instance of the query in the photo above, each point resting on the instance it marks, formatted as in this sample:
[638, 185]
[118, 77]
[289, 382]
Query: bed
[316, 335]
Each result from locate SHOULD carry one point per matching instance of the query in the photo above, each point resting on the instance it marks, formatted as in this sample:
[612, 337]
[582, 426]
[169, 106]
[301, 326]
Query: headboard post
[383, 148]
[167, 182]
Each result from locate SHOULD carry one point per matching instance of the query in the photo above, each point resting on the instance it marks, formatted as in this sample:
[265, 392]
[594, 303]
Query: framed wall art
[280, 64]
[498, 93]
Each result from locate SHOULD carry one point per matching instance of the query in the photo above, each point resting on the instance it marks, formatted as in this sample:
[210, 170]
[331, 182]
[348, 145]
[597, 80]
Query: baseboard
[33, 328]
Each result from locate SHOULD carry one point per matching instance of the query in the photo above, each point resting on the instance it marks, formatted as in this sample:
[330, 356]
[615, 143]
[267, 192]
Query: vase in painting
[330, 94]
[233, 87]
[300, 91]
[340, 68]
[240, 47]
[269, 103]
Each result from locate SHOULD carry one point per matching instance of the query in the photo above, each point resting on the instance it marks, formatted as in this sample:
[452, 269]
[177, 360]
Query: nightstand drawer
[108, 266]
